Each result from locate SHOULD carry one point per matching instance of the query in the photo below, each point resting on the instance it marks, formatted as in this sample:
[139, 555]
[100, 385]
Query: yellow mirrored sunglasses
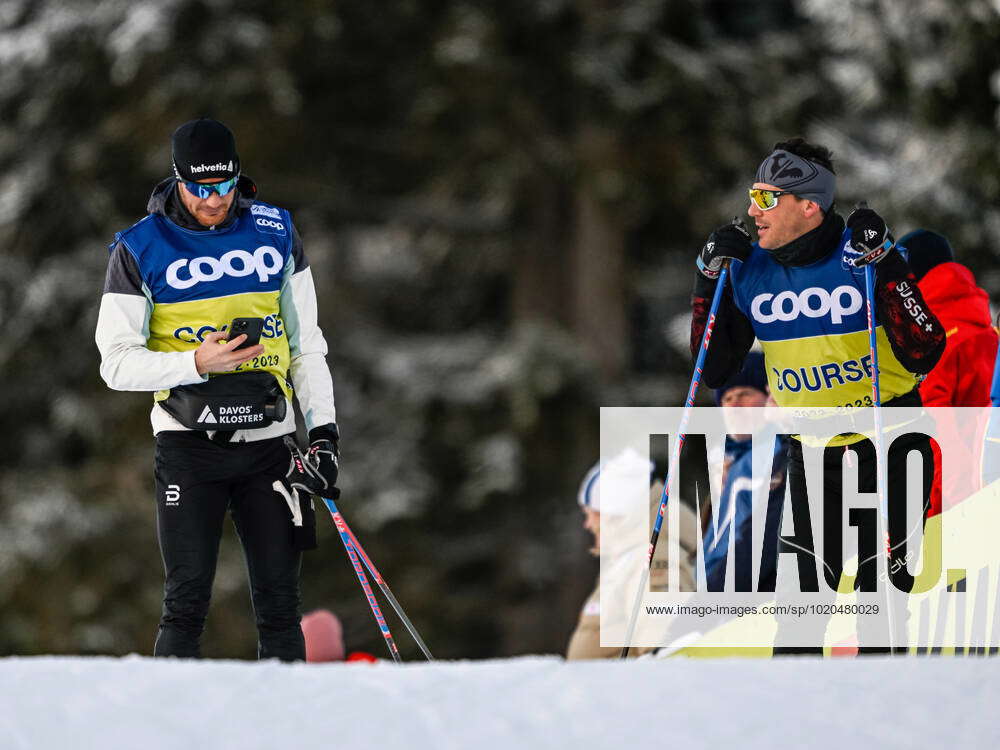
[765, 200]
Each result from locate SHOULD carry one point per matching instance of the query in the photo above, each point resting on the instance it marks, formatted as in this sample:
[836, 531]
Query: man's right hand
[730, 241]
[215, 356]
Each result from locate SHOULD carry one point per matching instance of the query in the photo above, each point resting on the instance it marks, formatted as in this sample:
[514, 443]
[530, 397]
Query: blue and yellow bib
[198, 281]
[811, 322]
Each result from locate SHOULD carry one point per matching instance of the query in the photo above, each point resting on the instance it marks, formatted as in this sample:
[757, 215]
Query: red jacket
[964, 374]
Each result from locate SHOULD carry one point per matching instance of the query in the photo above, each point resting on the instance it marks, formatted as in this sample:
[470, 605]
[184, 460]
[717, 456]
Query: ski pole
[876, 387]
[873, 351]
[881, 469]
[385, 589]
[676, 457]
[352, 555]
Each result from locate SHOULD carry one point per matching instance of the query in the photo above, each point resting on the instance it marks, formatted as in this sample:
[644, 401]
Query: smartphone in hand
[252, 327]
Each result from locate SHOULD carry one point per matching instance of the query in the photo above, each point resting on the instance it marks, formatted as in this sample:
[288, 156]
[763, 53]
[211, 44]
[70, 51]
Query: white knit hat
[620, 472]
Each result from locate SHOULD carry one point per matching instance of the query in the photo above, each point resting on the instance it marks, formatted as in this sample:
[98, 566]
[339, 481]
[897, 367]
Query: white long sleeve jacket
[170, 281]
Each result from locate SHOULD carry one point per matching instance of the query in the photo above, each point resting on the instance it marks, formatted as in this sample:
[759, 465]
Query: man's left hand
[302, 475]
[869, 236]
[324, 452]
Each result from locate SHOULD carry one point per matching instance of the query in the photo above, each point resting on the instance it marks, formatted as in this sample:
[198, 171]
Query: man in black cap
[208, 256]
[204, 151]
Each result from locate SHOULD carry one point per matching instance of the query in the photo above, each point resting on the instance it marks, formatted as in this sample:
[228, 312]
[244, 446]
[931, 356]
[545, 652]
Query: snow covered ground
[517, 704]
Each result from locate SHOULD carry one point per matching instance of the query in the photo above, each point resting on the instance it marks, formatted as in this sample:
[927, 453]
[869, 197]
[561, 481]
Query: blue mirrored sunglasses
[203, 190]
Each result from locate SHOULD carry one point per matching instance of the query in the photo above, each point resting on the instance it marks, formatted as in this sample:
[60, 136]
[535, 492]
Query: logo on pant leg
[173, 495]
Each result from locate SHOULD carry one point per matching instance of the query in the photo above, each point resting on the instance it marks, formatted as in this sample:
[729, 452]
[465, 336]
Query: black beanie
[925, 249]
[204, 149]
[752, 373]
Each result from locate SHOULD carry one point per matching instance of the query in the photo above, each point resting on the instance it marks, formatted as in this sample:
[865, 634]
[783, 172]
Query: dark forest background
[501, 202]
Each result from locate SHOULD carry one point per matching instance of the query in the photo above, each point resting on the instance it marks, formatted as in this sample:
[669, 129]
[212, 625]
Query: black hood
[813, 245]
[164, 201]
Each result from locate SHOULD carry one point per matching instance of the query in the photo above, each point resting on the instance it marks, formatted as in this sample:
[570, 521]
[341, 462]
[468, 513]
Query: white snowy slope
[516, 704]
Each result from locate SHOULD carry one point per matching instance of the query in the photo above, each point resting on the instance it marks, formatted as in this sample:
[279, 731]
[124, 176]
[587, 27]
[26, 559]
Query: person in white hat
[585, 642]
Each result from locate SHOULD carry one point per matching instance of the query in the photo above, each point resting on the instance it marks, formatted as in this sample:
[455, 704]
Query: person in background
[747, 388]
[324, 638]
[963, 375]
[585, 642]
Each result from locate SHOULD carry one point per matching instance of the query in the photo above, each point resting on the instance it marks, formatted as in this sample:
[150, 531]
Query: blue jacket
[736, 503]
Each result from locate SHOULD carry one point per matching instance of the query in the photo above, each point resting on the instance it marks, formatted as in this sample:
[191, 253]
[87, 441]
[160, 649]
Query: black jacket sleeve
[123, 275]
[915, 334]
[732, 335]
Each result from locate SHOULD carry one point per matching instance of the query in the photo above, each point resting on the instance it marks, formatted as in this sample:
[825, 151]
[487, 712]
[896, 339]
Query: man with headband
[800, 290]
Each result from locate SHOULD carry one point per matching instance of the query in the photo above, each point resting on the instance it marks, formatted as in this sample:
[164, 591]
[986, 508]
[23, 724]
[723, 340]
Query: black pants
[197, 480]
[870, 629]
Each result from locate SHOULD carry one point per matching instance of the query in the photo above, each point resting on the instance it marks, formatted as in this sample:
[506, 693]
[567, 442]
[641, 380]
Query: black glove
[324, 452]
[869, 236]
[297, 488]
[301, 475]
[730, 241]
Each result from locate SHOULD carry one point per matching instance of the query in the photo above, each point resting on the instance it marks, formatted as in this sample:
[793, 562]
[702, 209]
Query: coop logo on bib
[814, 302]
[270, 225]
[265, 261]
